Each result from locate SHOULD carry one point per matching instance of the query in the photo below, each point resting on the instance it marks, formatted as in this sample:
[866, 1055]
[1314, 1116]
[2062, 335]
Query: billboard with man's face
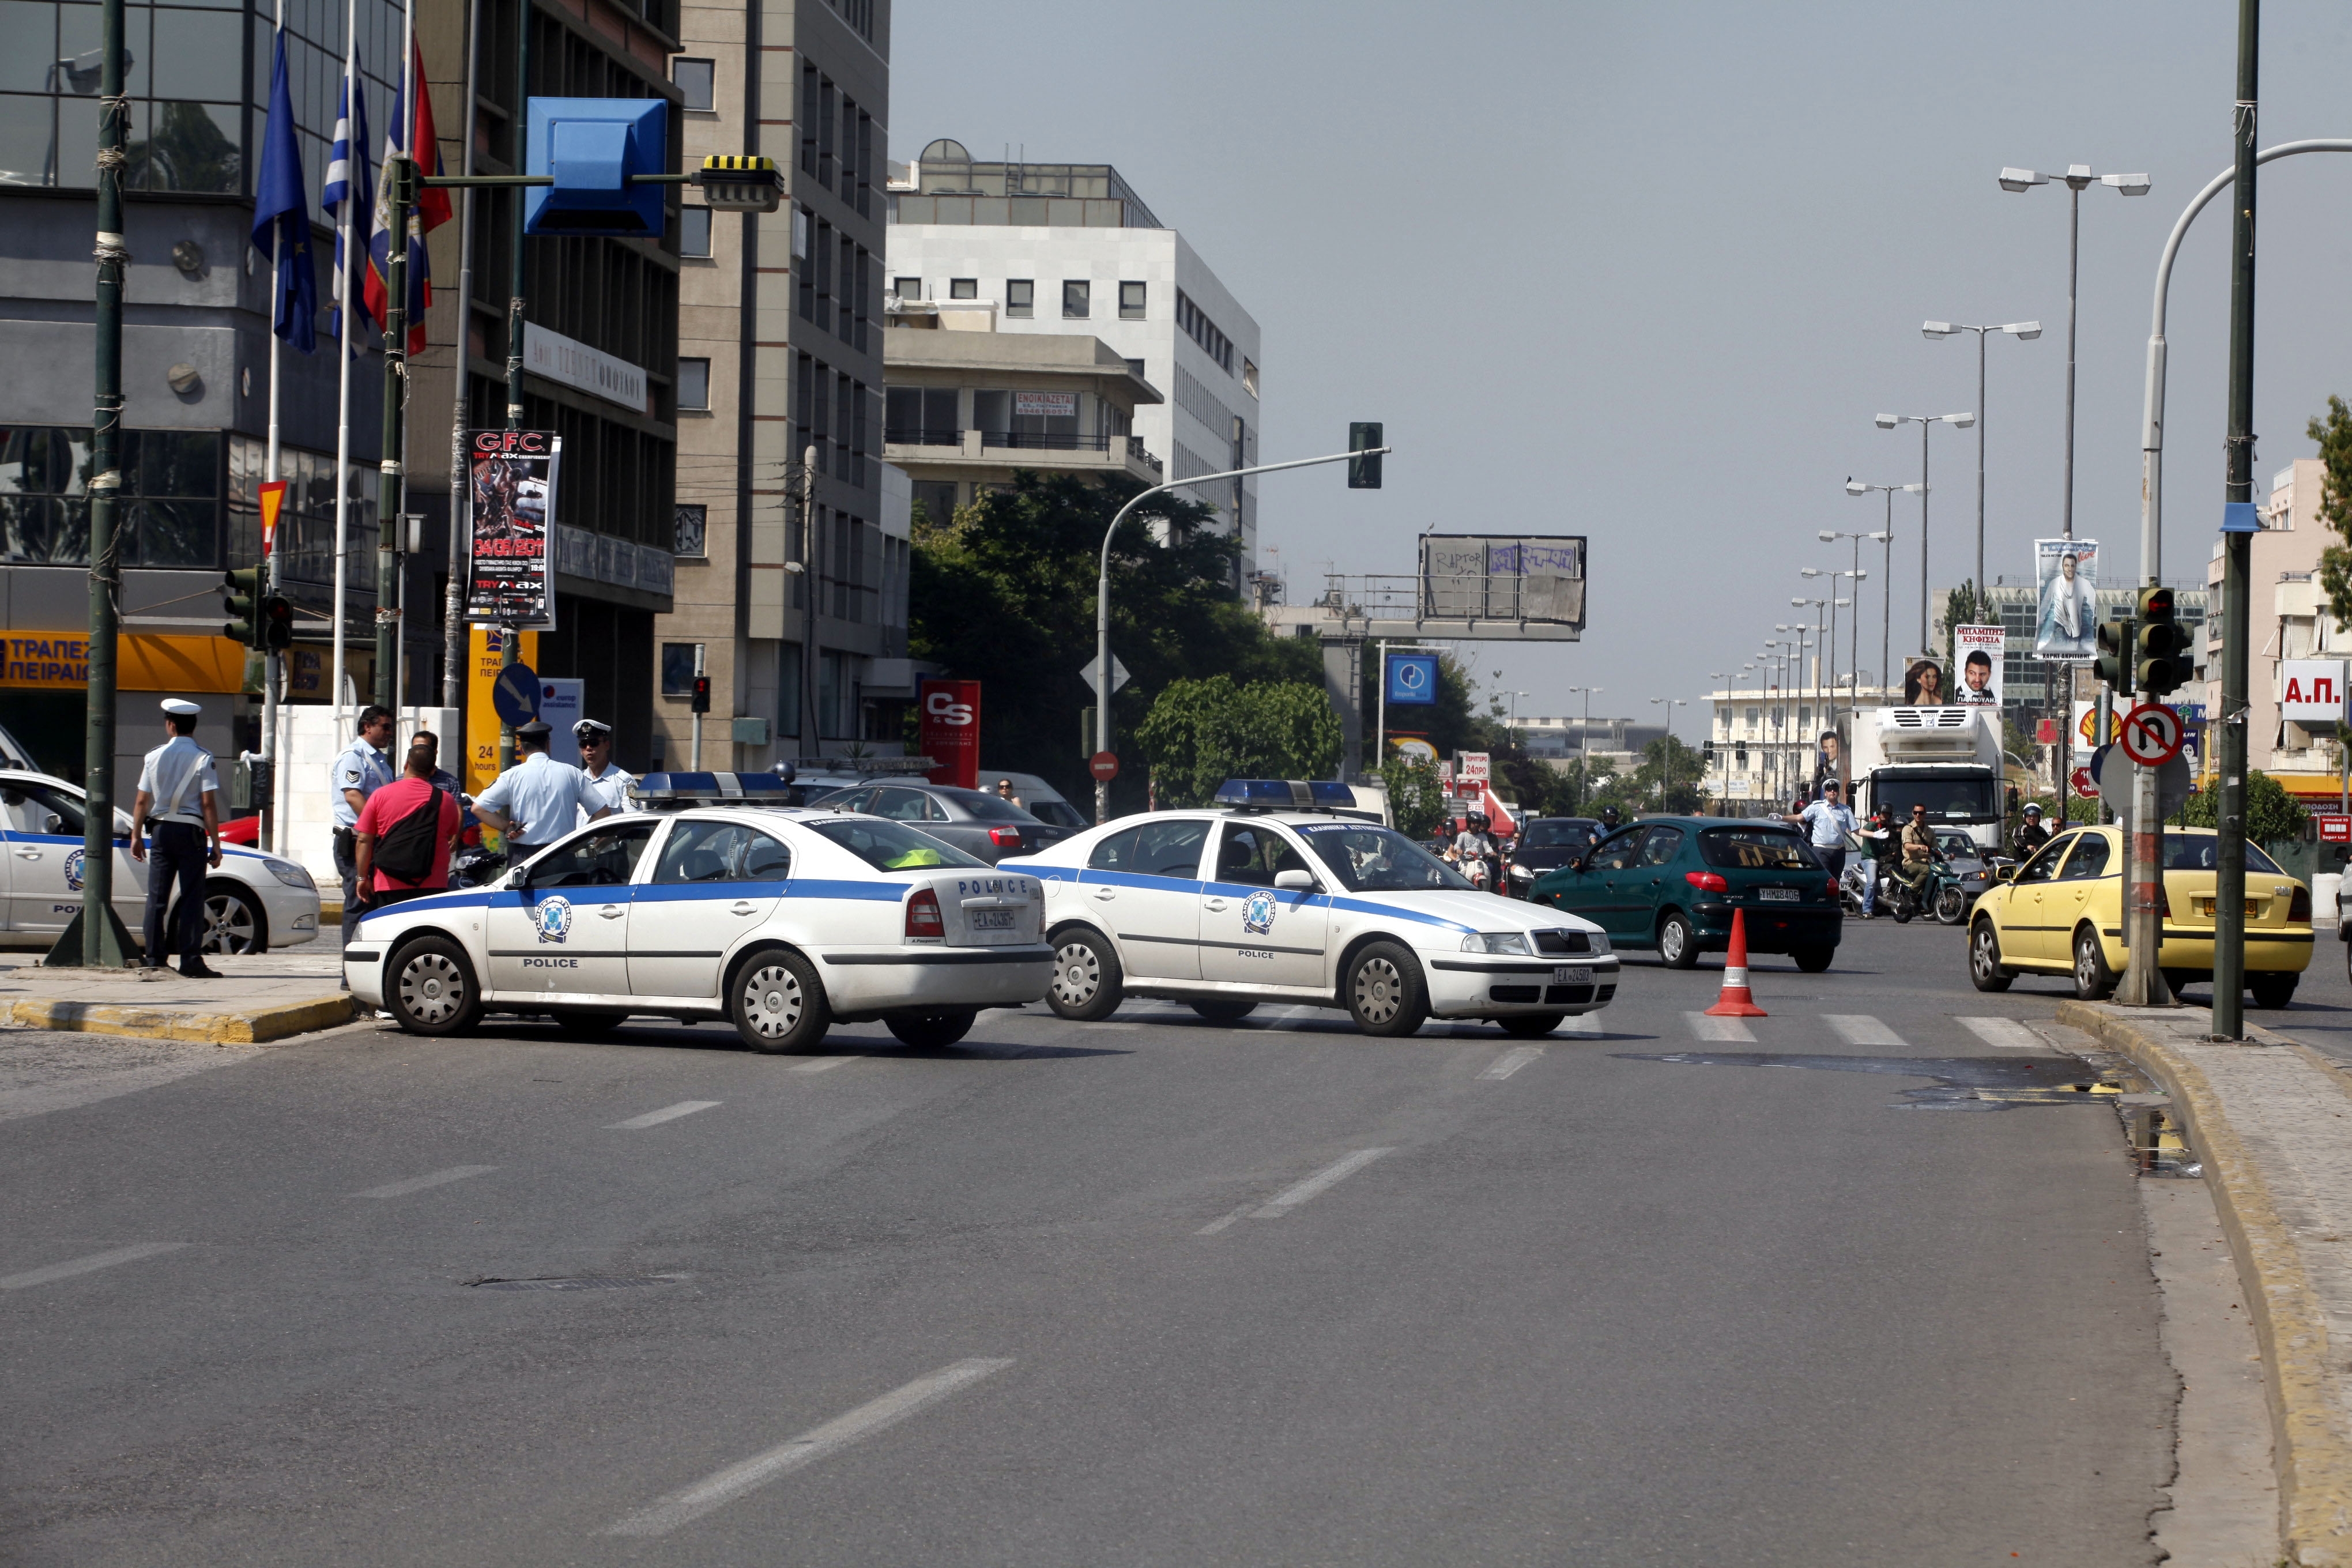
[2066, 620]
[1976, 654]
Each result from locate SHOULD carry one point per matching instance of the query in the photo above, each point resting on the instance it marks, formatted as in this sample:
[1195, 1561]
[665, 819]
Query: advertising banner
[1923, 685]
[1481, 577]
[2310, 690]
[1976, 651]
[1045, 404]
[2086, 725]
[1412, 677]
[950, 730]
[483, 654]
[510, 568]
[2065, 624]
[1472, 767]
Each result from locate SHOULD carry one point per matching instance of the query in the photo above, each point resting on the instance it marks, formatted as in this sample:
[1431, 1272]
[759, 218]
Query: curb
[2307, 1395]
[255, 1026]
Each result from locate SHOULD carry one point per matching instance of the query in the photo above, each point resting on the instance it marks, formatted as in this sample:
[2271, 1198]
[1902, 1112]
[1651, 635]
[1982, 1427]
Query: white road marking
[1321, 1182]
[1110, 1026]
[690, 1503]
[1512, 1060]
[668, 1113]
[37, 1099]
[1707, 1028]
[94, 1261]
[821, 1064]
[2004, 1032]
[1215, 1226]
[419, 1184]
[1860, 1029]
[1582, 1024]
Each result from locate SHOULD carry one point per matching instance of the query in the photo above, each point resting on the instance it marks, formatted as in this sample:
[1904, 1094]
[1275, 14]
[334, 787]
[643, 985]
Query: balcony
[1034, 441]
[915, 435]
[1135, 453]
[940, 454]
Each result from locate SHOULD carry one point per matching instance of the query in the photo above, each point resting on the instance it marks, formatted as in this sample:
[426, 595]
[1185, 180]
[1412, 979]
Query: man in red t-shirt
[402, 850]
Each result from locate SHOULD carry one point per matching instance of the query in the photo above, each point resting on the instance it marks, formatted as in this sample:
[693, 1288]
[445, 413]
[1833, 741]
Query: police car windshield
[889, 845]
[1376, 860]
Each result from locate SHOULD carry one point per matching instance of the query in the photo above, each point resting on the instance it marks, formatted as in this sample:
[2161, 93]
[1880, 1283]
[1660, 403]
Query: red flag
[432, 210]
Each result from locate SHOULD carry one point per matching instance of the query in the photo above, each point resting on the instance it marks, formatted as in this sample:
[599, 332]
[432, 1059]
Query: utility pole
[510, 633]
[388, 522]
[2230, 874]
[456, 661]
[811, 741]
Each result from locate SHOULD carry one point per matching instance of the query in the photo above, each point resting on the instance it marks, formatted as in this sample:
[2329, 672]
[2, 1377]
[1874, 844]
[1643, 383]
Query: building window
[1131, 302]
[1135, 369]
[1249, 376]
[935, 502]
[1203, 332]
[963, 287]
[1077, 296]
[694, 231]
[1021, 297]
[677, 669]
[694, 79]
[693, 384]
[690, 530]
[907, 287]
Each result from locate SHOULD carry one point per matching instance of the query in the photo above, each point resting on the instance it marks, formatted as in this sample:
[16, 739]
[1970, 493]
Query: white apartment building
[1070, 248]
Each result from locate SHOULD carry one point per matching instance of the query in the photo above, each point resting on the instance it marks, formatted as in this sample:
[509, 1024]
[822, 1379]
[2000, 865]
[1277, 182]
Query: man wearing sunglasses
[608, 782]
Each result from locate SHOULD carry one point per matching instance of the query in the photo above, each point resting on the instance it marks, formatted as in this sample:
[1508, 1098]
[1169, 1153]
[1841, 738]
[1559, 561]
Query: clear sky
[1645, 272]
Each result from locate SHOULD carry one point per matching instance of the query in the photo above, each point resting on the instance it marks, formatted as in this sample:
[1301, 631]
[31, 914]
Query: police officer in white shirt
[608, 782]
[363, 769]
[538, 800]
[179, 792]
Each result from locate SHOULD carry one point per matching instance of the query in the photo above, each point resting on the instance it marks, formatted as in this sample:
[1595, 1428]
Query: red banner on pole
[950, 730]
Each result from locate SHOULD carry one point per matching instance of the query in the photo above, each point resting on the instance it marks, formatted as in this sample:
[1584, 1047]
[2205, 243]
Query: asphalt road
[1138, 1292]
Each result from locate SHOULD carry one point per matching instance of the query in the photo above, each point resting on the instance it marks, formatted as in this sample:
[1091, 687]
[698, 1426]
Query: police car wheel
[777, 1004]
[932, 1031]
[1087, 984]
[1384, 992]
[432, 990]
[1530, 1026]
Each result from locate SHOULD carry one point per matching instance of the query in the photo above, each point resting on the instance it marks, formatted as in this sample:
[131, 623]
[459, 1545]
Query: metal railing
[1031, 440]
[1135, 449]
[921, 436]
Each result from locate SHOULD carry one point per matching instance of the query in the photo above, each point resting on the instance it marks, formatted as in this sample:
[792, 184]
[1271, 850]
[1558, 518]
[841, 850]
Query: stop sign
[1104, 765]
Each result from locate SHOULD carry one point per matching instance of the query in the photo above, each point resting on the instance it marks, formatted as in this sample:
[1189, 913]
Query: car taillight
[1005, 837]
[1831, 886]
[923, 915]
[2300, 908]
[1706, 881]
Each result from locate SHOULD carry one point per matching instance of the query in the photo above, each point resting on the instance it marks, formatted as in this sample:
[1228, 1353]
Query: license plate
[1564, 975]
[1777, 895]
[992, 919]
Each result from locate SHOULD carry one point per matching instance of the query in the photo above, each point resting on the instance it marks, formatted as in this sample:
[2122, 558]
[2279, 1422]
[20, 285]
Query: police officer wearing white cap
[538, 800]
[179, 792]
[363, 768]
[608, 782]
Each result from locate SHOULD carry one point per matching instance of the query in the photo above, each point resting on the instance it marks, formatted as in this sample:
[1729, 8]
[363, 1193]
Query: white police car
[713, 904]
[1277, 899]
[253, 901]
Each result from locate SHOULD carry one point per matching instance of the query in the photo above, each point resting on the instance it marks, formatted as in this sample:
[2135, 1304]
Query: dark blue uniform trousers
[176, 856]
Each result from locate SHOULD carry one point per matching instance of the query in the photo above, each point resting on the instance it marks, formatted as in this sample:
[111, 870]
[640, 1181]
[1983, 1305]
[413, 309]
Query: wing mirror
[1295, 881]
[517, 880]
[2001, 873]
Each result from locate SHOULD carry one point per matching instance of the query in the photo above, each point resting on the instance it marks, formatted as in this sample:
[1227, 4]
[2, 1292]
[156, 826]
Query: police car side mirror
[1295, 881]
[517, 878]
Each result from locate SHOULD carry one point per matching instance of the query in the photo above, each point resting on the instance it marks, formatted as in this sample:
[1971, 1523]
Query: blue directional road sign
[1412, 677]
[515, 694]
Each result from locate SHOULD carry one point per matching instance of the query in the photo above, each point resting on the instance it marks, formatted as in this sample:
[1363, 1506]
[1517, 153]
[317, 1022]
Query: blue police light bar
[590, 147]
[713, 789]
[1284, 795]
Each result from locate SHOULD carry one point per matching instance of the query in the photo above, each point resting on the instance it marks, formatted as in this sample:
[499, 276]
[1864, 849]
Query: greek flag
[349, 181]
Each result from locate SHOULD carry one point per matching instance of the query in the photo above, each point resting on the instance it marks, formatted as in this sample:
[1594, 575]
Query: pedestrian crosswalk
[1858, 1029]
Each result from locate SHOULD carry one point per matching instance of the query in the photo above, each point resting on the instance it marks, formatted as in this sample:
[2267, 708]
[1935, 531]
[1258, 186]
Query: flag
[350, 188]
[431, 211]
[281, 216]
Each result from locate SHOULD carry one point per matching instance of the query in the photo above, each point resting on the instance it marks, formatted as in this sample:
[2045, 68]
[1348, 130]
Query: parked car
[974, 821]
[1547, 843]
[1673, 883]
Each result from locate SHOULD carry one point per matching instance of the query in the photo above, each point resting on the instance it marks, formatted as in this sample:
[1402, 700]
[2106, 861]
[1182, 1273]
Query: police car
[1278, 896]
[253, 901]
[717, 901]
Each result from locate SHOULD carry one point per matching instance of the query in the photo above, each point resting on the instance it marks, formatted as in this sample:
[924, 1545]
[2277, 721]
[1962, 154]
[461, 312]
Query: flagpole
[355, 143]
[269, 572]
[456, 653]
[396, 368]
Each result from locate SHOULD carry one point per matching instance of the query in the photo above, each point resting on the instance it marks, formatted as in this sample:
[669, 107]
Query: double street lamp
[1584, 736]
[2025, 331]
[1888, 422]
[1667, 755]
[1856, 576]
[1885, 537]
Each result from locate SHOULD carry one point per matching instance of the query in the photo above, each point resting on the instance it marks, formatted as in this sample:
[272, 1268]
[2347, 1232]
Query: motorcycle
[1946, 895]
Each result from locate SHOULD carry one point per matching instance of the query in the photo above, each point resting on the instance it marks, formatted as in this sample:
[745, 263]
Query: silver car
[974, 821]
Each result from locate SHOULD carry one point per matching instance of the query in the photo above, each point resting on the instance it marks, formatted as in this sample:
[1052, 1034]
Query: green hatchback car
[1672, 883]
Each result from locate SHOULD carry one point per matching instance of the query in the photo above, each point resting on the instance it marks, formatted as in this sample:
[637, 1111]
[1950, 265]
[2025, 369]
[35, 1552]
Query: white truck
[1948, 759]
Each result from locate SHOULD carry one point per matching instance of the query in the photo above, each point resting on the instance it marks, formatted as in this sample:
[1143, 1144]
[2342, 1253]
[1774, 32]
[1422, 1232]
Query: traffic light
[2163, 645]
[2115, 660]
[276, 623]
[701, 694]
[1364, 473]
[240, 596]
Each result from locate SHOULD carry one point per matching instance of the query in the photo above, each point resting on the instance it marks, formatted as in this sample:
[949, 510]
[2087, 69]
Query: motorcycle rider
[1919, 850]
[2031, 835]
[1476, 844]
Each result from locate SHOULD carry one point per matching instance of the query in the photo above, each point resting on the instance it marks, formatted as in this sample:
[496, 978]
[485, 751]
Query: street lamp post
[1666, 754]
[1835, 604]
[1885, 537]
[2025, 331]
[1888, 422]
[1584, 742]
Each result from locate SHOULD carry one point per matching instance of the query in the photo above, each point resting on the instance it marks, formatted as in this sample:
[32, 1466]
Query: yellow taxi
[2062, 912]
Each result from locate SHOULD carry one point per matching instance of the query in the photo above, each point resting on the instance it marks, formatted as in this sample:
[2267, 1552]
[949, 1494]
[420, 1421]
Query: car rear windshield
[2201, 852]
[889, 845]
[984, 806]
[1557, 833]
[1377, 860]
[1756, 849]
[1060, 813]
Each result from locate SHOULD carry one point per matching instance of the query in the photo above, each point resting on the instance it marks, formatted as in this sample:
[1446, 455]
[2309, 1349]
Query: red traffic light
[701, 694]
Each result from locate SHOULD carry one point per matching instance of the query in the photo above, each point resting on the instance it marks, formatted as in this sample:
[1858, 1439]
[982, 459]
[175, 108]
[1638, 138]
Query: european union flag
[281, 214]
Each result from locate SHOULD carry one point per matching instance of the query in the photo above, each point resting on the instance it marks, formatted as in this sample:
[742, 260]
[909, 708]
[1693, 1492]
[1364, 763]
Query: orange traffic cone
[1736, 1002]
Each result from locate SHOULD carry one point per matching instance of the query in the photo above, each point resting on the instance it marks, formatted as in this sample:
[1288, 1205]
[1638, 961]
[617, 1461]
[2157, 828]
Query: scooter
[1944, 894]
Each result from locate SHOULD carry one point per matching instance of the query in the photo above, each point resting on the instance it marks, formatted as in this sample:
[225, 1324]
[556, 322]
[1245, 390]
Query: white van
[1044, 801]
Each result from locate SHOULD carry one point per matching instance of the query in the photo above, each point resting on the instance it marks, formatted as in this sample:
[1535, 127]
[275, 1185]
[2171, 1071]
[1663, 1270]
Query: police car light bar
[704, 789]
[1284, 795]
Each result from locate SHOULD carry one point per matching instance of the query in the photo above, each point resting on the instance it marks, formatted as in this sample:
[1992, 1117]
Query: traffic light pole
[2229, 872]
[397, 173]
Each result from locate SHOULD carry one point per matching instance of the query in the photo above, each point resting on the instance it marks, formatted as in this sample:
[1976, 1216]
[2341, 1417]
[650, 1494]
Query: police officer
[538, 800]
[363, 769]
[608, 782]
[179, 791]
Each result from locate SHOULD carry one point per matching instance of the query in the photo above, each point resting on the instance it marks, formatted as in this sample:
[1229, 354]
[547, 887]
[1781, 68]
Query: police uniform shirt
[176, 776]
[363, 768]
[608, 789]
[541, 795]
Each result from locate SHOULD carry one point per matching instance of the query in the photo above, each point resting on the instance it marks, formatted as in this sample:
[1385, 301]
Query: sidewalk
[269, 998]
[2272, 1121]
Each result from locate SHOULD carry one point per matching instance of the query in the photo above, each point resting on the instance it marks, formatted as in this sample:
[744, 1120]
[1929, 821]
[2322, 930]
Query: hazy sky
[1645, 272]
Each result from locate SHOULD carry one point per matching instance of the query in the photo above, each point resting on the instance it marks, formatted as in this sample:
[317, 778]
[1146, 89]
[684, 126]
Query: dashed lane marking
[1860, 1029]
[2004, 1032]
[1582, 1024]
[419, 1184]
[1512, 1060]
[820, 1064]
[666, 1114]
[89, 1265]
[1707, 1028]
[1321, 1182]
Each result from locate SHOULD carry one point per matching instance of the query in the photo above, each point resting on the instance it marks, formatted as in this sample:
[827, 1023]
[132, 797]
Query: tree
[1200, 734]
[1965, 607]
[1416, 800]
[1678, 766]
[2334, 435]
[2273, 816]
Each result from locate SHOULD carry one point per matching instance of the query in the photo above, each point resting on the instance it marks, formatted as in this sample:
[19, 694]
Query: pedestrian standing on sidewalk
[361, 771]
[406, 831]
[1827, 822]
[179, 791]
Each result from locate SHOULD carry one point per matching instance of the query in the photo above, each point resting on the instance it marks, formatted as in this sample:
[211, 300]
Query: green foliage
[1004, 593]
[1962, 606]
[1416, 799]
[1679, 767]
[2273, 816]
[2334, 435]
[1200, 734]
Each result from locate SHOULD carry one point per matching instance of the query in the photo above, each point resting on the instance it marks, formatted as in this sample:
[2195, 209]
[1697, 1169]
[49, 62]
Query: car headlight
[1495, 942]
[1599, 941]
[1519, 870]
[290, 874]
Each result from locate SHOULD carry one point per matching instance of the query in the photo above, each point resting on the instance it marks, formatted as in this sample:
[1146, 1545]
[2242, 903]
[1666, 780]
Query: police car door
[1251, 930]
[567, 935]
[44, 828]
[716, 881]
[1143, 887]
